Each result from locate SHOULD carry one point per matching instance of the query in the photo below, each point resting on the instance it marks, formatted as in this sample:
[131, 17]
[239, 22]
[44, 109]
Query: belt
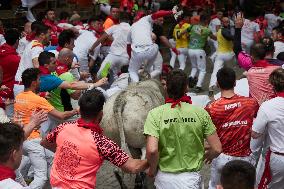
[18, 83]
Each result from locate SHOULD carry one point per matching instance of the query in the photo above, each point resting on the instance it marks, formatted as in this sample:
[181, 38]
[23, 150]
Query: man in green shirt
[61, 98]
[198, 38]
[175, 138]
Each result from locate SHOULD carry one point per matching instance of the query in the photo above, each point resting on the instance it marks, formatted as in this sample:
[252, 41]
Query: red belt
[18, 83]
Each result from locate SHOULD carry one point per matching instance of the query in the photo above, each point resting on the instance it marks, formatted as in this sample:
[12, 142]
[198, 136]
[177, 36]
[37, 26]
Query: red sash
[174, 102]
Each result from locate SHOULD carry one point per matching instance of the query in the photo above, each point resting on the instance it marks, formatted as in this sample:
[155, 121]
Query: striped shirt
[233, 118]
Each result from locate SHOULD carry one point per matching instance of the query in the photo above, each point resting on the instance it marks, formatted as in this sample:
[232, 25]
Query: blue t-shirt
[49, 82]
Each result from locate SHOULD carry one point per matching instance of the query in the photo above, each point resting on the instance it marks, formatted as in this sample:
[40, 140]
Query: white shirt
[213, 23]
[23, 42]
[140, 34]
[2, 39]
[119, 33]
[279, 47]
[82, 46]
[270, 119]
[248, 30]
[272, 21]
[26, 60]
[10, 184]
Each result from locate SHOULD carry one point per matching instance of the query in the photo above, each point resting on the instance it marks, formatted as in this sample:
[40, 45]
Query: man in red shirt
[9, 62]
[233, 117]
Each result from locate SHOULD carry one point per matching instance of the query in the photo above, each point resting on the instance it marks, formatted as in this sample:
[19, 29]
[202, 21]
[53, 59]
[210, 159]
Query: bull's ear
[166, 121]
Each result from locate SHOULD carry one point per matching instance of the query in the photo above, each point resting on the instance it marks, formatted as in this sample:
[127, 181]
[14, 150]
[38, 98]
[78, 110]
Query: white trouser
[219, 162]
[116, 62]
[277, 171]
[30, 4]
[9, 110]
[18, 89]
[219, 63]
[190, 180]
[246, 45]
[182, 57]
[105, 8]
[198, 63]
[173, 55]
[138, 58]
[36, 154]
[157, 66]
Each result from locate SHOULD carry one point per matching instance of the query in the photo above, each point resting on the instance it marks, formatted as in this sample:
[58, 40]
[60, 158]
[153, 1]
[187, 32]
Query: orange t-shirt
[25, 104]
[108, 23]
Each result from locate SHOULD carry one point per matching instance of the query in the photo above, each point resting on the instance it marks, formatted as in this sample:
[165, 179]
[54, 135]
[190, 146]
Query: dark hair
[204, 18]
[276, 79]
[124, 69]
[176, 83]
[64, 15]
[11, 138]
[35, 24]
[11, 36]
[96, 18]
[226, 78]
[238, 174]
[65, 37]
[91, 103]
[47, 10]
[124, 17]
[279, 30]
[41, 28]
[30, 75]
[268, 43]
[44, 58]
[258, 51]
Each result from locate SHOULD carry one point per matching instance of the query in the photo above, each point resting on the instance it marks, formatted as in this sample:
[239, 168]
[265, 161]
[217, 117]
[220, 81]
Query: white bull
[125, 113]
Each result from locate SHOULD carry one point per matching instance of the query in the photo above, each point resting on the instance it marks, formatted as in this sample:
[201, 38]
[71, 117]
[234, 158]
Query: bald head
[226, 22]
[66, 56]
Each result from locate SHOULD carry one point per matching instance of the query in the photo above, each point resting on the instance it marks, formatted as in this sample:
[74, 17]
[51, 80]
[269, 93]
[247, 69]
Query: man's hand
[37, 118]
[84, 75]
[101, 82]
[4, 87]
[151, 173]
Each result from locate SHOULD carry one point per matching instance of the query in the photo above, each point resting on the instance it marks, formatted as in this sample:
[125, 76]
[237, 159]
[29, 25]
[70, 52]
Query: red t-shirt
[233, 118]
[9, 61]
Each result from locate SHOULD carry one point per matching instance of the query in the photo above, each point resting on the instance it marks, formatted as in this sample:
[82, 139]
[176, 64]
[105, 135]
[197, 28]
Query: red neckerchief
[51, 24]
[186, 99]
[30, 36]
[115, 21]
[90, 125]
[280, 94]
[6, 173]
[43, 70]
[266, 176]
[261, 63]
[2, 31]
[281, 39]
[61, 68]
[58, 48]
[96, 32]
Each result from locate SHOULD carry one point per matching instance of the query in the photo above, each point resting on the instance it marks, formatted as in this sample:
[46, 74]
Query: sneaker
[191, 82]
[198, 89]
[21, 10]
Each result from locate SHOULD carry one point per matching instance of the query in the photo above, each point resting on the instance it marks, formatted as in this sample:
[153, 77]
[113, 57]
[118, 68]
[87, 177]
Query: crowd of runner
[47, 140]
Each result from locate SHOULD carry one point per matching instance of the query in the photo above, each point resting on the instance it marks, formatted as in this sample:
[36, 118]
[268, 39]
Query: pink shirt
[259, 86]
[79, 155]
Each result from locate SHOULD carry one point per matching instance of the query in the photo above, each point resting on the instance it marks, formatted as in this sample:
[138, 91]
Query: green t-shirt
[181, 132]
[55, 98]
[198, 36]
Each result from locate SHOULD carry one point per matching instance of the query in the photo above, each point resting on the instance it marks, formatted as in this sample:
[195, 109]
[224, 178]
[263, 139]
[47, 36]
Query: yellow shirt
[224, 45]
[183, 41]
